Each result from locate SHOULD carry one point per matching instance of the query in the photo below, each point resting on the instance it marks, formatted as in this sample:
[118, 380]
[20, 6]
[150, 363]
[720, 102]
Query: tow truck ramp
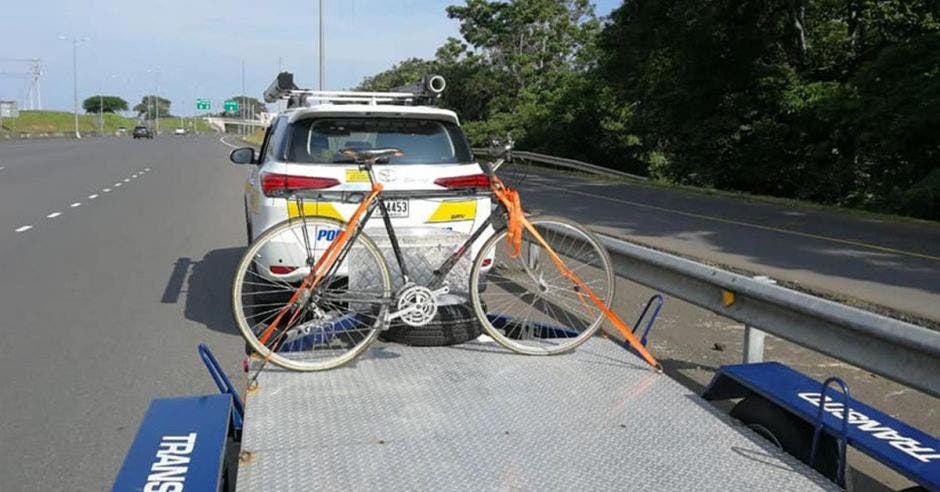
[477, 417]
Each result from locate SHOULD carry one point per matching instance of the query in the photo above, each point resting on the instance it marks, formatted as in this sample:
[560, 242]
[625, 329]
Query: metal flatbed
[477, 417]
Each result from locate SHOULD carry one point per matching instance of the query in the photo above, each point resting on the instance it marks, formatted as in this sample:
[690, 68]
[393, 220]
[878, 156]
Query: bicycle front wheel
[314, 329]
[526, 303]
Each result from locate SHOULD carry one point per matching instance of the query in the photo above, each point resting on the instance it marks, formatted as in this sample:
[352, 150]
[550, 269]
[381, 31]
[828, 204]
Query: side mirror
[244, 155]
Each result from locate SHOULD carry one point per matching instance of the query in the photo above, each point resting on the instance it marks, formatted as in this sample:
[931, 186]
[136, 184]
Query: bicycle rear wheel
[526, 303]
[316, 329]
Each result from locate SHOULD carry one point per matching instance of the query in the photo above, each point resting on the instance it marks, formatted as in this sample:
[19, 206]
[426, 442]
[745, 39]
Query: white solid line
[222, 139]
[24, 228]
[53, 215]
[92, 197]
[107, 190]
[76, 204]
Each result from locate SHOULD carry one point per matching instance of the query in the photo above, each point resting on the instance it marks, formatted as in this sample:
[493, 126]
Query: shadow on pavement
[208, 289]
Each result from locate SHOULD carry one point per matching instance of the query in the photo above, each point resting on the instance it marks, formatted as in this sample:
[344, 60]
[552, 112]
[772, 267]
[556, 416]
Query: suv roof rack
[424, 92]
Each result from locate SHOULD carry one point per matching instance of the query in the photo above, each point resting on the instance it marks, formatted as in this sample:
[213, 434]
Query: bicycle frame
[509, 202]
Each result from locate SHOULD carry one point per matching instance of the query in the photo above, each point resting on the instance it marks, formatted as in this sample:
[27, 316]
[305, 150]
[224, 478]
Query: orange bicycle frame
[509, 199]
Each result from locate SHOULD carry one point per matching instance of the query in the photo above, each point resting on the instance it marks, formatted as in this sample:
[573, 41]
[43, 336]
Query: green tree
[151, 106]
[106, 104]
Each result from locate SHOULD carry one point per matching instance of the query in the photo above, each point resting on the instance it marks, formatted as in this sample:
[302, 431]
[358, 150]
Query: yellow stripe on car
[314, 209]
[454, 211]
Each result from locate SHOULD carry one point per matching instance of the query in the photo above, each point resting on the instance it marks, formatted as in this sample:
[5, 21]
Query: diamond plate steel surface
[424, 250]
[476, 417]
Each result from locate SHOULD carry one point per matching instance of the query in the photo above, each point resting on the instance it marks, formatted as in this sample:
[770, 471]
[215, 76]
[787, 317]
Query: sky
[195, 49]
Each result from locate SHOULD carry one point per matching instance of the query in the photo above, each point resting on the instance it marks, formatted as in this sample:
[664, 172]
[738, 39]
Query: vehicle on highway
[302, 149]
[121, 131]
[179, 131]
[141, 131]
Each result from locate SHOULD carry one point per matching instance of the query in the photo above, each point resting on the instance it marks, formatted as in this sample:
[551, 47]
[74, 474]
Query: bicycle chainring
[420, 304]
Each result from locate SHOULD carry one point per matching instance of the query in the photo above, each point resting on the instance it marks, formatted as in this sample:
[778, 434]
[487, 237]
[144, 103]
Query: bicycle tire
[544, 334]
[328, 324]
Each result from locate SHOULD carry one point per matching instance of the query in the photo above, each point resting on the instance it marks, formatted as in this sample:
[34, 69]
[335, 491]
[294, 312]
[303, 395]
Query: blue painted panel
[890, 441]
[180, 445]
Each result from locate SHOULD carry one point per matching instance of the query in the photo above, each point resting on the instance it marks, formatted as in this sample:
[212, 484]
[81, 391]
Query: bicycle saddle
[366, 155]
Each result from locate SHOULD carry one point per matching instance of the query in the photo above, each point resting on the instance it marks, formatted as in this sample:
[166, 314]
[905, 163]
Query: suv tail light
[272, 183]
[471, 181]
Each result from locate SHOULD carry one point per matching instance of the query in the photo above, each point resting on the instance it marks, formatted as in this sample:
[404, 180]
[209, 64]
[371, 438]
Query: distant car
[142, 132]
[121, 130]
[179, 131]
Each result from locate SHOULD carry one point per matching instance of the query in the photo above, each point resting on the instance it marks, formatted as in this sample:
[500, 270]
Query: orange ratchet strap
[516, 221]
[510, 199]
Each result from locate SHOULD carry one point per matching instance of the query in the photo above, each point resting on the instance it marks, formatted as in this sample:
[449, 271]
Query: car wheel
[455, 323]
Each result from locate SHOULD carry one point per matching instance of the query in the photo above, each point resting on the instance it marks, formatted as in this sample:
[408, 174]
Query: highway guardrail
[903, 352]
[564, 163]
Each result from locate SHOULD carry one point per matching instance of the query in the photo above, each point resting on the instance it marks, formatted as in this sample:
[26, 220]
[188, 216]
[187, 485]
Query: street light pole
[242, 126]
[322, 51]
[75, 41]
[156, 106]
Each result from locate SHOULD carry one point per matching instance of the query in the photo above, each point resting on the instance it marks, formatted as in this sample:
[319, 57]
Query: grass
[255, 138]
[61, 121]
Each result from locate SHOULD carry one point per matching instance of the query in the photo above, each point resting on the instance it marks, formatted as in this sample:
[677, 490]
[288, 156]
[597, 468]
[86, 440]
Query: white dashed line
[146, 169]
[2, 168]
[53, 215]
[133, 176]
[24, 228]
[118, 185]
[76, 204]
[126, 180]
[107, 190]
[92, 197]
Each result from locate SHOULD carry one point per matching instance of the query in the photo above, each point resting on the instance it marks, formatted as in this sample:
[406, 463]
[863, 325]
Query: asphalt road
[108, 286]
[103, 306]
[848, 257]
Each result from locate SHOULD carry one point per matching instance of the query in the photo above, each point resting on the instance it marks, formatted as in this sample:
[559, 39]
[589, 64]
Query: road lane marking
[791, 232]
[222, 139]
[92, 197]
[107, 190]
[126, 180]
[76, 204]
[118, 185]
[24, 228]
[146, 169]
[53, 215]
[2, 168]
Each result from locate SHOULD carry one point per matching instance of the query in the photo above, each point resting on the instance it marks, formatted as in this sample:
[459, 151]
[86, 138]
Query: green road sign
[231, 106]
[203, 104]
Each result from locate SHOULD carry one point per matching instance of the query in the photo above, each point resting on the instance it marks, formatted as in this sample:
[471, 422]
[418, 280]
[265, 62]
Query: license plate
[397, 208]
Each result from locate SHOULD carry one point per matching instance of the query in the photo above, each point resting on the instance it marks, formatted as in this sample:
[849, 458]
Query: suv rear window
[422, 141]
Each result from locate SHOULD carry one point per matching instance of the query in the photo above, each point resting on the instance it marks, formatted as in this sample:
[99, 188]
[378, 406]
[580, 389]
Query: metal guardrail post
[754, 338]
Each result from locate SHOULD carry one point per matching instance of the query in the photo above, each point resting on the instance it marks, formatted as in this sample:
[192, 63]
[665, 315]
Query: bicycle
[315, 302]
